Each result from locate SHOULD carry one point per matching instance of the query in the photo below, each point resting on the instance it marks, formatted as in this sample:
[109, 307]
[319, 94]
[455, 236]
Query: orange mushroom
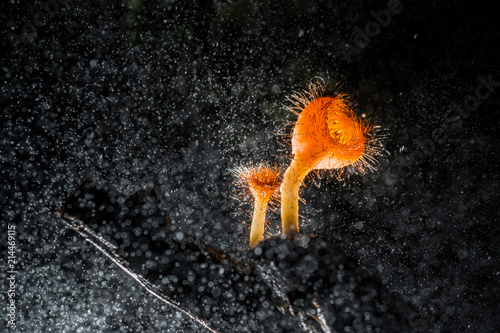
[261, 183]
[328, 136]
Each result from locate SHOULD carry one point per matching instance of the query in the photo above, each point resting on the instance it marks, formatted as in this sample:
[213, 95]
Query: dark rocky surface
[301, 284]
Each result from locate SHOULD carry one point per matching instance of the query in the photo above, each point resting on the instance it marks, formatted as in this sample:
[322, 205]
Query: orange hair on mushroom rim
[260, 183]
[327, 136]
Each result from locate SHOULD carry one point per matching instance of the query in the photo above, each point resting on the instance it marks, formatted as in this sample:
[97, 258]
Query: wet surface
[172, 96]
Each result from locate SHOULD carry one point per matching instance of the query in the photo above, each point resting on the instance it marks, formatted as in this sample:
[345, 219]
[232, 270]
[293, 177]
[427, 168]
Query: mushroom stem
[290, 186]
[258, 221]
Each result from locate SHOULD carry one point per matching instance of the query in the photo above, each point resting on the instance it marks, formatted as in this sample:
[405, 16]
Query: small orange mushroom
[327, 135]
[261, 183]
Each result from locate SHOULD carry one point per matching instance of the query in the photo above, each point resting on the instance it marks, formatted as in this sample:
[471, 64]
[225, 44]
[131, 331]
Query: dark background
[172, 95]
